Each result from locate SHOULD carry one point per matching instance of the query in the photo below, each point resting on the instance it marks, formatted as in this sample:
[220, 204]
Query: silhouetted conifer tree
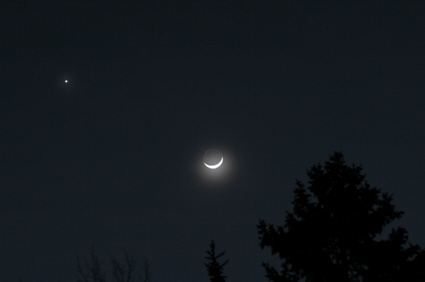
[215, 269]
[332, 233]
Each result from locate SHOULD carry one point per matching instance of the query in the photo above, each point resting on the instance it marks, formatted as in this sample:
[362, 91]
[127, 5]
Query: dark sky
[114, 157]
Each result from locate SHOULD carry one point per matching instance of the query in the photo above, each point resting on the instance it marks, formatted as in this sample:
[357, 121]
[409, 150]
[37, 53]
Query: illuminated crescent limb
[214, 166]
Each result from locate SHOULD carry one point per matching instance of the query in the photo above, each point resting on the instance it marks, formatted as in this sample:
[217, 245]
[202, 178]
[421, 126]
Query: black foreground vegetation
[215, 269]
[334, 232]
[121, 270]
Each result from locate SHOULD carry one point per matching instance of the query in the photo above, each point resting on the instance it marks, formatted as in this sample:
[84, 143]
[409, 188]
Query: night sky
[114, 157]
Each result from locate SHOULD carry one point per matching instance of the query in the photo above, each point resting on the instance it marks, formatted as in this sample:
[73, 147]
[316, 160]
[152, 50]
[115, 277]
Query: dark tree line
[333, 234]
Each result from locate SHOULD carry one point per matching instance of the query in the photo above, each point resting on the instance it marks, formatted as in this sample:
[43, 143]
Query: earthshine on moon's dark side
[212, 157]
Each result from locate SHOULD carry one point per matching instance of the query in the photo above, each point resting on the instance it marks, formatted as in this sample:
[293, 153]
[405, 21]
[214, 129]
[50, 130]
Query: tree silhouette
[215, 269]
[91, 270]
[332, 233]
[146, 277]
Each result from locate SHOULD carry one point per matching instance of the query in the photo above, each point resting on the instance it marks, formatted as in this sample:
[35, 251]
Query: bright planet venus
[213, 158]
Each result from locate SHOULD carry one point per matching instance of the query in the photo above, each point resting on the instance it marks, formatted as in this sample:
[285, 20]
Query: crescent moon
[214, 166]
